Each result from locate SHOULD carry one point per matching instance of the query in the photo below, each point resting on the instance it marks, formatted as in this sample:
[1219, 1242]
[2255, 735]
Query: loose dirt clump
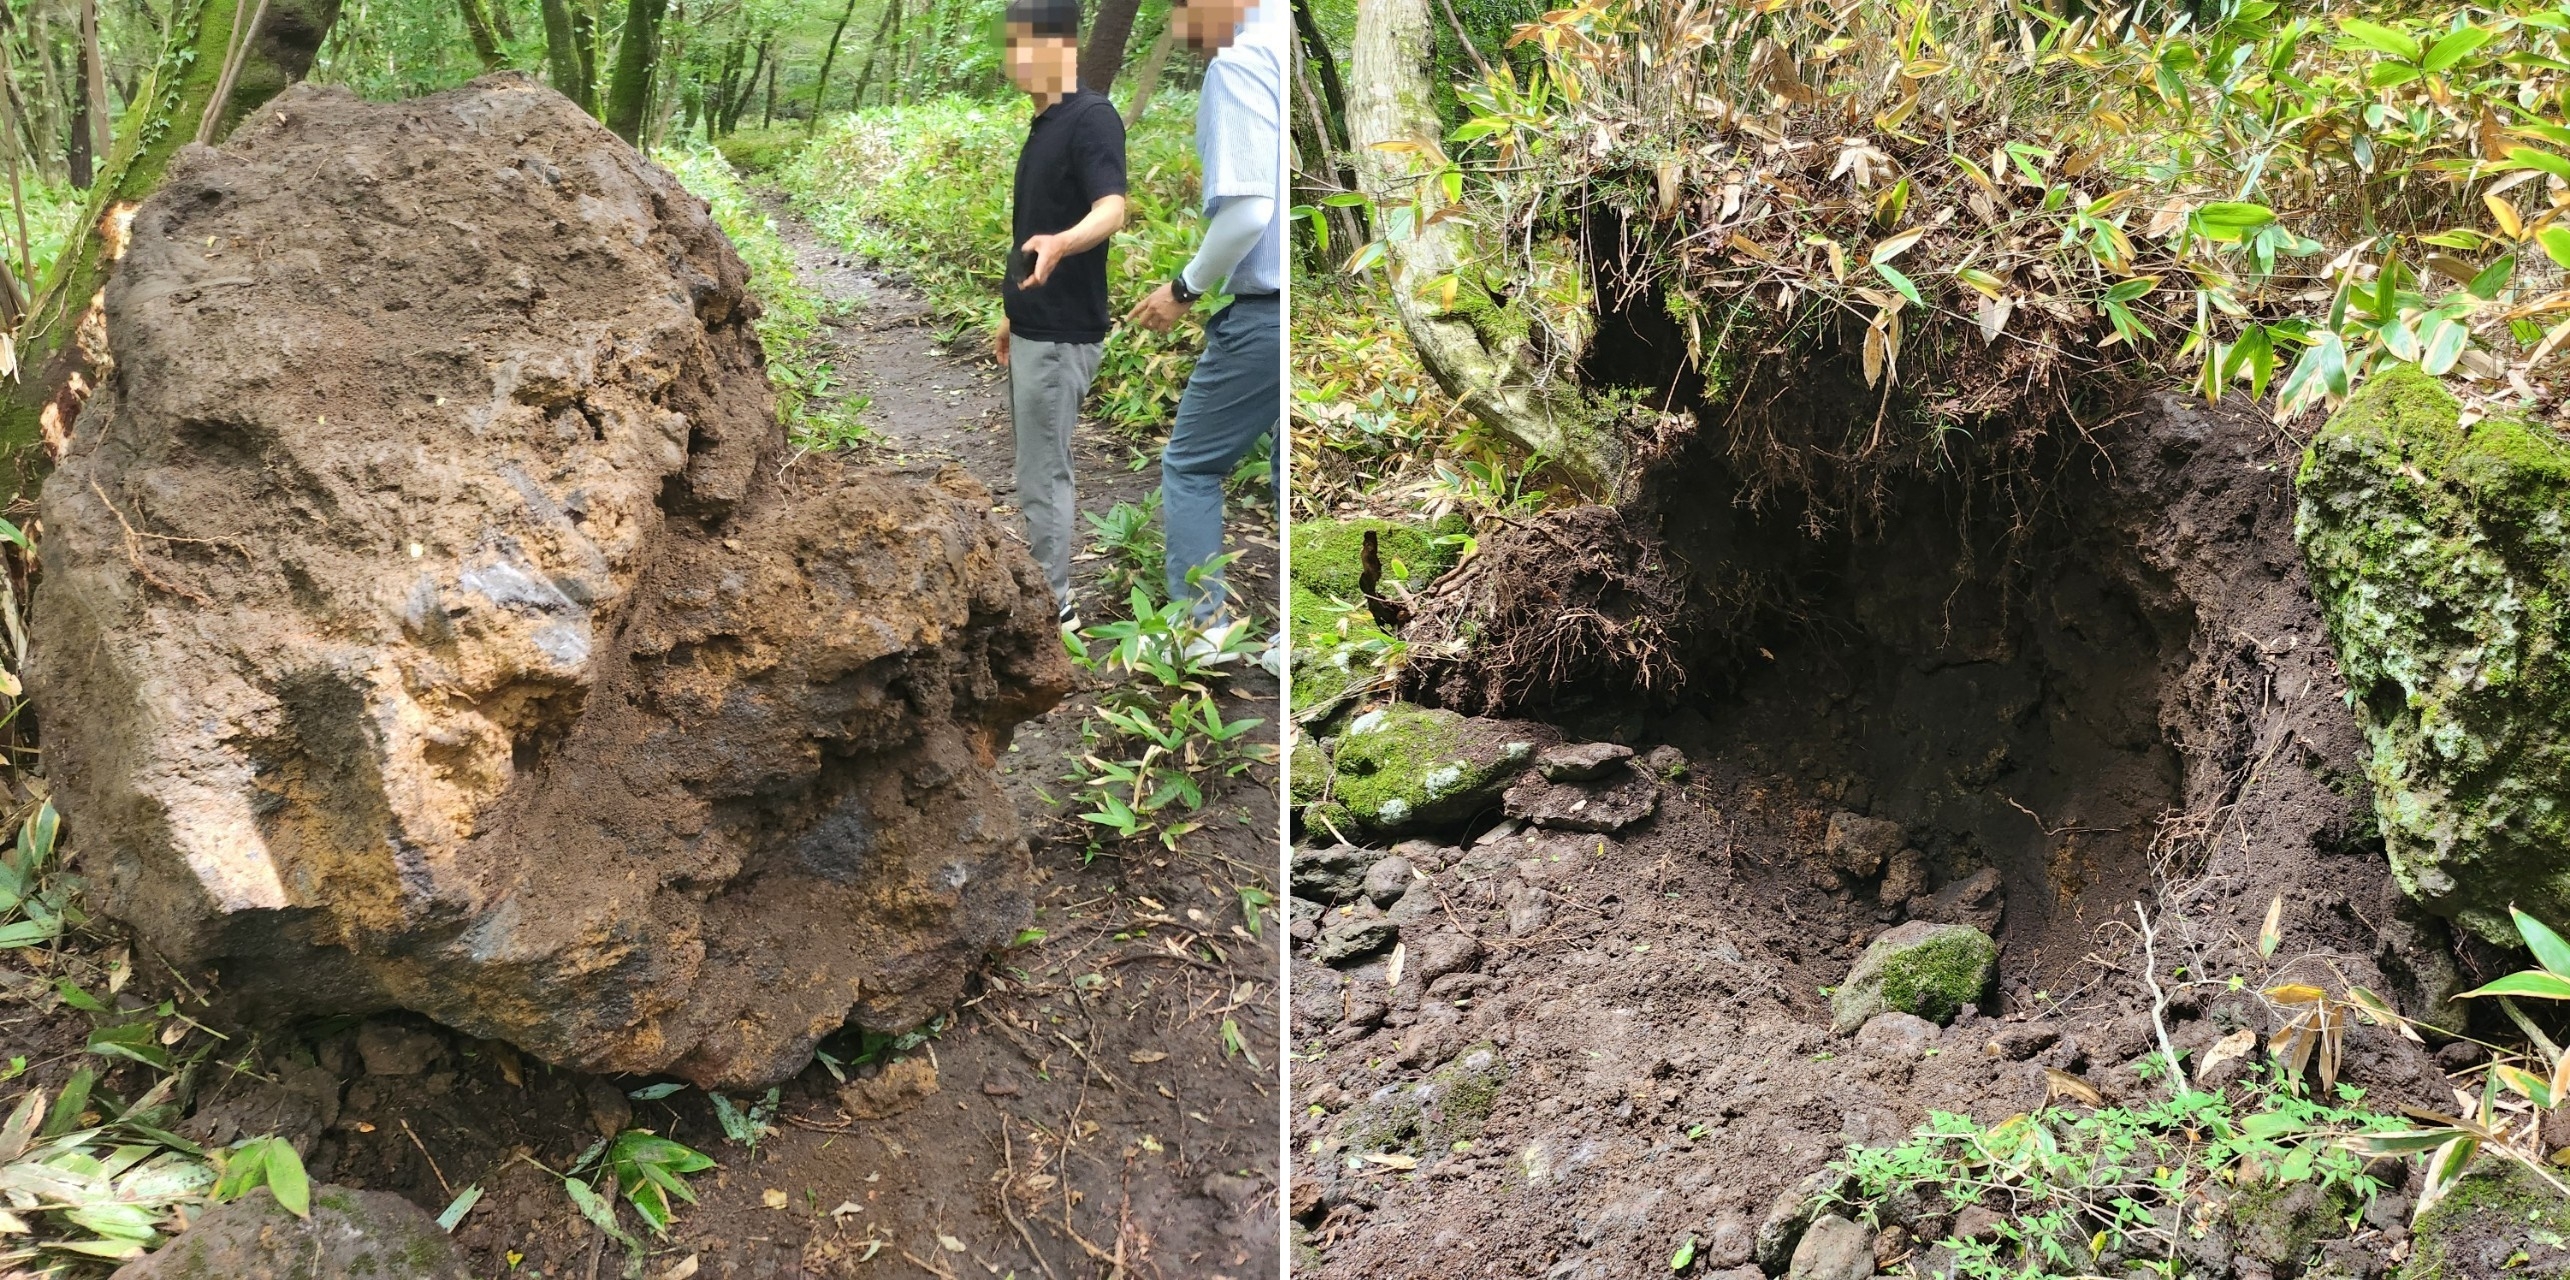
[2038, 731]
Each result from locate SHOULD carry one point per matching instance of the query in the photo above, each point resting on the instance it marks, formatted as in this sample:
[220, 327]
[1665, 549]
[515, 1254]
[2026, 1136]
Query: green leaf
[461, 1205]
[2556, 245]
[600, 1214]
[655, 1092]
[2494, 277]
[2380, 38]
[1902, 283]
[2231, 221]
[286, 1178]
[2533, 983]
[1686, 1254]
[2453, 48]
[2446, 338]
[2529, 158]
[2548, 948]
[36, 838]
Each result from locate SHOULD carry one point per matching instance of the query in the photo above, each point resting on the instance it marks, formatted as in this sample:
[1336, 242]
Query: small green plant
[265, 1162]
[750, 1126]
[645, 1168]
[1129, 536]
[35, 902]
[1159, 733]
[2092, 1189]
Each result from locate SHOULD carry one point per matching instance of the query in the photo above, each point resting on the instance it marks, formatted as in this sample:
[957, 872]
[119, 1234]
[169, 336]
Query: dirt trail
[1086, 1119]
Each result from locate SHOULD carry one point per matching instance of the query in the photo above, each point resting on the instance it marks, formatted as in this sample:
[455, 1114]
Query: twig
[432, 1160]
[1103, 1073]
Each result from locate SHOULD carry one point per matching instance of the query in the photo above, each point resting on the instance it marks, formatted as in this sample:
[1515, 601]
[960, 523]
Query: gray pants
[1046, 382]
[1231, 403]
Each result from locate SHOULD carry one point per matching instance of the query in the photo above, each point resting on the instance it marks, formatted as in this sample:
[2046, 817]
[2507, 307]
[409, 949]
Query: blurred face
[1045, 66]
[1209, 26]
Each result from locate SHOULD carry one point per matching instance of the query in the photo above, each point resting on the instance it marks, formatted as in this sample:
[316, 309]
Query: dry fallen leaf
[1391, 1160]
[1145, 1057]
[2238, 1044]
[949, 1243]
[2061, 1084]
[679, 1270]
[773, 1198]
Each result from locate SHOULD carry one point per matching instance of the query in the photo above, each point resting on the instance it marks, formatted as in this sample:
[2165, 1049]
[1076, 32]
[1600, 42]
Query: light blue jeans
[1232, 401]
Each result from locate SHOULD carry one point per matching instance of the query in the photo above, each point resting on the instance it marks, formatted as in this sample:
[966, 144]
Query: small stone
[1833, 1249]
[1891, 1245]
[1581, 763]
[1973, 900]
[1790, 1215]
[900, 1086]
[610, 1112]
[1668, 764]
[1904, 878]
[1859, 845]
[1896, 1035]
[393, 1049]
[1356, 939]
[1332, 874]
[1387, 880]
[1527, 910]
[2019, 1043]
[1602, 806]
[1444, 952]
[1978, 1224]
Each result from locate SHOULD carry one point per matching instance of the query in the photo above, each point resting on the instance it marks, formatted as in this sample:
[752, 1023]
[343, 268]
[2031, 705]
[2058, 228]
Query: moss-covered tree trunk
[629, 92]
[562, 56]
[165, 116]
[1391, 101]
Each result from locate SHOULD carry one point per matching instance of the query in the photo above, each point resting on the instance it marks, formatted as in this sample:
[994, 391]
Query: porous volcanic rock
[432, 617]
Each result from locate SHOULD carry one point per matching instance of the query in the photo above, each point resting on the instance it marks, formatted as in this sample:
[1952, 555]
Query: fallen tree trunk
[1391, 124]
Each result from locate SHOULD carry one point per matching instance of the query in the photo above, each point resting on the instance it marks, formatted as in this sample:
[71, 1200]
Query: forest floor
[1622, 1053]
[1103, 1103]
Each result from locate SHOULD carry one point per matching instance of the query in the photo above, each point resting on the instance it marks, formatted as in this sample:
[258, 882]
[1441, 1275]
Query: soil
[1079, 1114]
[2135, 710]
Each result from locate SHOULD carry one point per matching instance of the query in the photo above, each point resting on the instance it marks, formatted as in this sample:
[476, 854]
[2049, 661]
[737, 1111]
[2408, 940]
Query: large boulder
[432, 619]
[2441, 558]
[373, 1234]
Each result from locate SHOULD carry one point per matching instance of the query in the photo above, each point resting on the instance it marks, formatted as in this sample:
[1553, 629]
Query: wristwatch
[1181, 290]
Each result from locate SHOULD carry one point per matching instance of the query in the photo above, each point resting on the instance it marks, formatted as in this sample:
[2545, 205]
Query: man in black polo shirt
[1069, 199]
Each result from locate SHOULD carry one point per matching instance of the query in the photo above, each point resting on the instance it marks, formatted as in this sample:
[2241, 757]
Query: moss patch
[1931, 970]
[1405, 768]
[1336, 643]
[2441, 560]
[1426, 1118]
[2497, 1213]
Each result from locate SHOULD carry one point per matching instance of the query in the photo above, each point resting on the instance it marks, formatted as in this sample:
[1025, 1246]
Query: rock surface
[2442, 564]
[2498, 1219]
[1614, 798]
[427, 621]
[1931, 970]
[1833, 1249]
[1402, 768]
[374, 1234]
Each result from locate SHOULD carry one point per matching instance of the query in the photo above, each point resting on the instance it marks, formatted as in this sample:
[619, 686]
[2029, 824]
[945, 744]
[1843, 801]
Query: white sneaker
[1208, 646]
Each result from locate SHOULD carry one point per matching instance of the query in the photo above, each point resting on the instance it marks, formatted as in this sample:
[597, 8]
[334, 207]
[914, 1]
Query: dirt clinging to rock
[434, 618]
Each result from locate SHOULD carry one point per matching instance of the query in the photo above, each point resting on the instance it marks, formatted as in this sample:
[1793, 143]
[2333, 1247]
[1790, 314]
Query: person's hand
[999, 342]
[1046, 251]
[1160, 312]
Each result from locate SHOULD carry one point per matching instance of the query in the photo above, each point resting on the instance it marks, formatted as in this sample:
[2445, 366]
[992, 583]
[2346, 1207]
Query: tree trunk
[891, 20]
[828, 56]
[629, 94]
[502, 23]
[1108, 34]
[741, 101]
[767, 115]
[561, 50]
[76, 153]
[584, 39]
[671, 59]
[1325, 66]
[276, 54]
[477, 27]
[93, 76]
[729, 76]
[1148, 78]
[1390, 100]
[1317, 152]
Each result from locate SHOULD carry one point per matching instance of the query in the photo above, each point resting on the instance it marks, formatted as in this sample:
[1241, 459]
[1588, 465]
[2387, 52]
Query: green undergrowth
[2127, 1190]
[1337, 644]
[923, 190]
[809, 397]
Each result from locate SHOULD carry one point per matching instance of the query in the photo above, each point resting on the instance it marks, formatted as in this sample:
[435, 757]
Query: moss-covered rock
[362, 1235]
[2441, 559]
[2278, 1223]
[1307, 771]
[1427, 1118]
[1931, 970]
[1401, 768]
[2497, 1220]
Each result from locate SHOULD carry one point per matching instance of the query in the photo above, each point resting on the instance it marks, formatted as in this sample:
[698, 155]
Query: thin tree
[1148, 78]
[477, 28]
[1103, 57]
[562, 52]
[891, 20]
[828, 56]
[629, 93]
[93, 75]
